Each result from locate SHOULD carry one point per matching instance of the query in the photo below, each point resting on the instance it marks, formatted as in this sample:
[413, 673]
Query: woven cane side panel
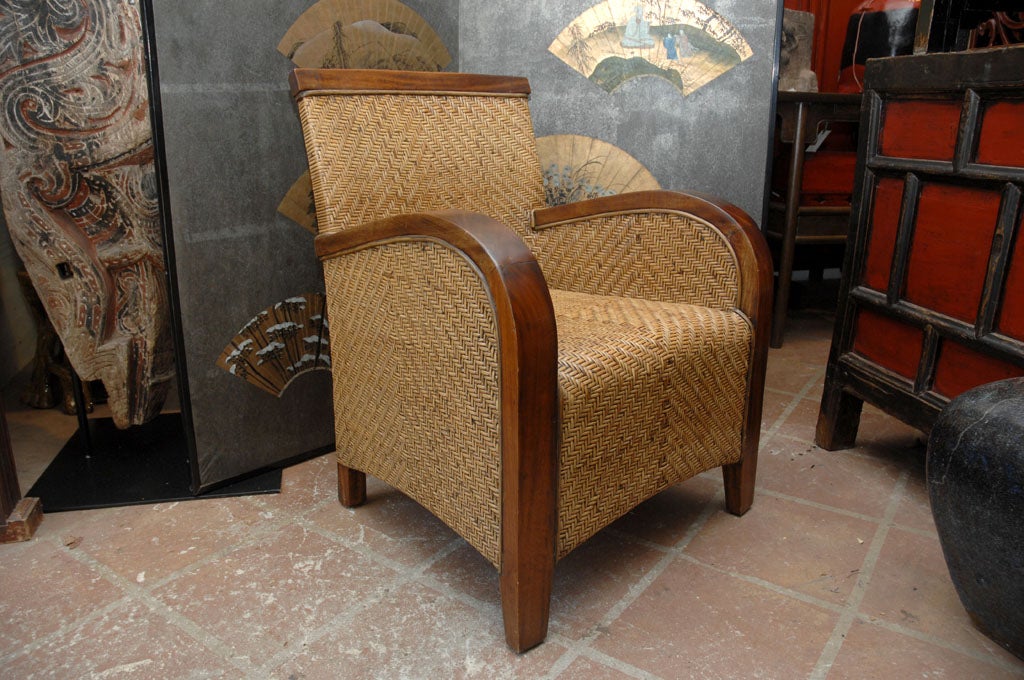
[651, 394]
[416, 381]
[655, 256]
[374, 156]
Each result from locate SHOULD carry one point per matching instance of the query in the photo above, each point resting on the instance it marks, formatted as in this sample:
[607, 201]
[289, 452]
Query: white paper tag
[822, 136]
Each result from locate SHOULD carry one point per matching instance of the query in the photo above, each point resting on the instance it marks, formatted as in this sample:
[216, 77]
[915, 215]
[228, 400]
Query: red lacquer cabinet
[932, 298]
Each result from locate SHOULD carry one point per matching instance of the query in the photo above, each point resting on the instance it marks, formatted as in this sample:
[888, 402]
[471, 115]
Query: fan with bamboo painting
[577, 167]
[297, 205]
[280, 343]
[374, 34]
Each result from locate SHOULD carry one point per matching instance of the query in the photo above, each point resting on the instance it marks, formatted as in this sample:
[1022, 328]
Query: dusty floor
[836, 572]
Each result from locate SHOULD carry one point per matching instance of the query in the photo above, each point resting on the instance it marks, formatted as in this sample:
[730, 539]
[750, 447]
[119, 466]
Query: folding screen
[247, 281]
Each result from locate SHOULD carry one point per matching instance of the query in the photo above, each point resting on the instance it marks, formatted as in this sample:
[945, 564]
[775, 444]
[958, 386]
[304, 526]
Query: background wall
[714, 140]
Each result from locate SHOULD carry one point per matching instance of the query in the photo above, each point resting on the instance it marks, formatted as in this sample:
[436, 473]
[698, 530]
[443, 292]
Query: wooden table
[800, 114]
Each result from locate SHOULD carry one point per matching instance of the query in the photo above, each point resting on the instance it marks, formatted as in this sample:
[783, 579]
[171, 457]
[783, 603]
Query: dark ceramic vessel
[976, 485]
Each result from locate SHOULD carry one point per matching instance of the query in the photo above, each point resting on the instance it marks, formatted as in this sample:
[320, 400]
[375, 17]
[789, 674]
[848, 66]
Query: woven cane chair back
[688, 260]
[378, 154]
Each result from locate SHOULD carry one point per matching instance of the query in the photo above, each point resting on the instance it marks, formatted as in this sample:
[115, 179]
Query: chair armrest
[677, 248]
[662, 245]
[524, 323]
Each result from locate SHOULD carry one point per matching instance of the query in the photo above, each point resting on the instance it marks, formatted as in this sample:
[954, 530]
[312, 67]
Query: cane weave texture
[416, 381]
[652, 393]
[378, 155]
[663, 256]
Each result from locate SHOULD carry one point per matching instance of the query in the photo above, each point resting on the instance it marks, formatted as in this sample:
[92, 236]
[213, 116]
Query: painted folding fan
[297, 205]
[281, 343]
[577, 167]
[683, 41]
[376, 34]
[382, 34]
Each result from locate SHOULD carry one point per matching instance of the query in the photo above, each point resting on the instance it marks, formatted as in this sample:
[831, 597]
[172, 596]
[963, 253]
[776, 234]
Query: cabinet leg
[838, 419]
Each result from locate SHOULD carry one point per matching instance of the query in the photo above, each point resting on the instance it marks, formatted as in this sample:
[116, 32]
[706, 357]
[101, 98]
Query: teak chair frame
[513, 279]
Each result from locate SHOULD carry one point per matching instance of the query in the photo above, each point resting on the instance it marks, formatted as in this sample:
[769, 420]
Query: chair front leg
[526, 599]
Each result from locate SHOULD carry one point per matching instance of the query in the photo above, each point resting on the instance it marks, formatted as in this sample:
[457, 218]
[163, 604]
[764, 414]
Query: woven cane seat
[650, 395]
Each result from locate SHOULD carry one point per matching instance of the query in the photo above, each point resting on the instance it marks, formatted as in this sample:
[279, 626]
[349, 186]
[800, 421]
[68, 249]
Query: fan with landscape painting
[682, 41]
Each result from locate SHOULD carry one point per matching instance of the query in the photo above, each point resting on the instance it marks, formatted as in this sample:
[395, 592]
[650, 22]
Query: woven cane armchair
[528, 374]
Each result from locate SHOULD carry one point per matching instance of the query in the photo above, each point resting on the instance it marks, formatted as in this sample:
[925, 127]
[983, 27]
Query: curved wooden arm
[739, 230]
[529, 394]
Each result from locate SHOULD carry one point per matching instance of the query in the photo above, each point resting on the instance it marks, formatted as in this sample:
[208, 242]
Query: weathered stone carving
[79, 190]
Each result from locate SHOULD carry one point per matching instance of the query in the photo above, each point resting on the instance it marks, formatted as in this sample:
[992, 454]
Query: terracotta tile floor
[836, 572]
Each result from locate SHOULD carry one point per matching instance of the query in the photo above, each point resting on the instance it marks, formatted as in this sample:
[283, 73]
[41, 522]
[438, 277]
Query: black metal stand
[102, 466]
[81, 409]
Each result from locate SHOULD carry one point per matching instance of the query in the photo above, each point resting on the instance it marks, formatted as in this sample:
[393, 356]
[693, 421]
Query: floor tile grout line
[804, 392]
[410, 575]
[259, 535]
[853, 514]
[852, 452]
[794, 401]
[830, 652]
[362, 605]
[65, 628]
[363, 549]
[768, 585]
[83, 558]
[1013, 667]
[923, 533]
[617, 664]
[403, 574]
[418, 574]
[264, 503]
[135, 593]
[926, 533]
[782, 590]
[145, 596]
[638, 588]
[253, 537]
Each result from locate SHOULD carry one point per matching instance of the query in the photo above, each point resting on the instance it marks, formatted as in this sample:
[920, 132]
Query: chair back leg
[739, 484]
[351, 486]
